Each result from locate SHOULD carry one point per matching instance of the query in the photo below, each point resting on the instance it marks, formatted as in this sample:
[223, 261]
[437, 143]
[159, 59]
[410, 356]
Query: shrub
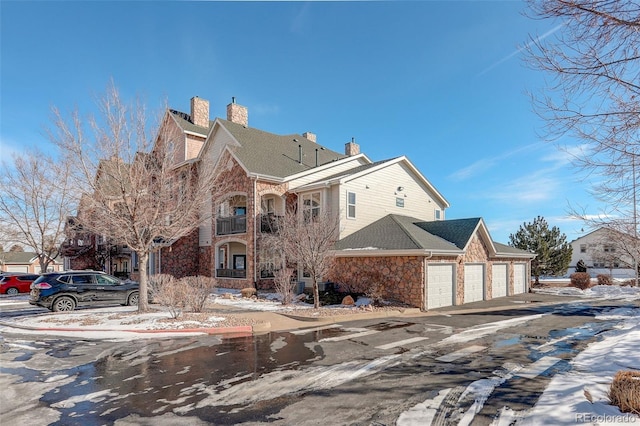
[581, 280]
[604, 279]
[283, 284]
[248, 292]
[197, 290]
[168, 292]
[625, 391]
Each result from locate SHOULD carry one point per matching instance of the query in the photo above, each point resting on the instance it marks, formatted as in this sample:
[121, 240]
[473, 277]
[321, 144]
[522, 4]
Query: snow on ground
[564, 402]
[580, 395]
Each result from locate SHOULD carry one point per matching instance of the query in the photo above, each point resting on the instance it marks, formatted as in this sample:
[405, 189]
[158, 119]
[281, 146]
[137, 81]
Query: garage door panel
[499, 280]
[439, 286]
[473, 283]
[519, 278]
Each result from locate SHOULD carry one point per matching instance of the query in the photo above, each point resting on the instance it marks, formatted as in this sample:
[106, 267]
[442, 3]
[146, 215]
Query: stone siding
[238, 182]
[402, 276]
[181, 259]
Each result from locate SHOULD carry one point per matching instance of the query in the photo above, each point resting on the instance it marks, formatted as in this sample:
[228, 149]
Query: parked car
[14, 283]
[64, 291]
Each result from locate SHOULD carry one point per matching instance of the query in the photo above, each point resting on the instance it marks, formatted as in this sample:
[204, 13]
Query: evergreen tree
[553, 252]
[580, 266]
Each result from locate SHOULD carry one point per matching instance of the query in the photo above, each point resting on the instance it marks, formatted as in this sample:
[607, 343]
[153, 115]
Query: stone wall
[401, 276]
[181, 259]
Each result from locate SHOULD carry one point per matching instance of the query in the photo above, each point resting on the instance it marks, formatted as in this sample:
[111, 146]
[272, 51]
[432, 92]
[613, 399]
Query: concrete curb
[242, 329]
[355, 316]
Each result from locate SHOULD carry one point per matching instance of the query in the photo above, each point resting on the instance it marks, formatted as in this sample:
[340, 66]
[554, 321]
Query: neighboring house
[83, 250]
[270, 173]
[605, 251]
[27, 262]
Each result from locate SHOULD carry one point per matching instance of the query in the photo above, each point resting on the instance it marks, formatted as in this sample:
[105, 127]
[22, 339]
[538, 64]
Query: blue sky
[440, 82]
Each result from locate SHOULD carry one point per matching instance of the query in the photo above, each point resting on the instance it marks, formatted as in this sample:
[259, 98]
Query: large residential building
[392, 219]
[605, 251]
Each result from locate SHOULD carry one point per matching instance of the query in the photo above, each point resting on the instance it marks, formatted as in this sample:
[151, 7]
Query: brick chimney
[351, 148]
[237, 113]
[200, 112]
[311, 136]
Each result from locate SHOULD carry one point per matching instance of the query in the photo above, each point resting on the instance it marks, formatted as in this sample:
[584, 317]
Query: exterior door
[473, 283]
[519, 278]
[499, 280]
[439, 285]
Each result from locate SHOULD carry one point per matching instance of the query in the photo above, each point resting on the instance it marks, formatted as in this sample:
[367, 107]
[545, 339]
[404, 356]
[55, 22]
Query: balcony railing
[231, 273]
[269, 223]
[231, 225]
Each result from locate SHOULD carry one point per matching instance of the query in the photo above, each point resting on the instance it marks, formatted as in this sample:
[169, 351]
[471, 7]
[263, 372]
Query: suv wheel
[132, 300]
[63, 304]
[12, 291]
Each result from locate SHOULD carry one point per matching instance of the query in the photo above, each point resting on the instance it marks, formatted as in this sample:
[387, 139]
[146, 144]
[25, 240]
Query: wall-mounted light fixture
[400, 188]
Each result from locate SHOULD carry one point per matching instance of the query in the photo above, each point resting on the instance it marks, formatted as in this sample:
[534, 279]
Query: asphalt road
[373, 372]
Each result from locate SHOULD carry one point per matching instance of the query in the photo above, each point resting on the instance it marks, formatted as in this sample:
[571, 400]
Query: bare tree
[135, 193]
[307, 240]
[593, 59]
[37, 197]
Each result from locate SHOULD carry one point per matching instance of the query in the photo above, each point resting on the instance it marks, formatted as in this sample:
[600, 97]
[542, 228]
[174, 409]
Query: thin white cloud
[8, 149]
[485, 164]
[520, 49]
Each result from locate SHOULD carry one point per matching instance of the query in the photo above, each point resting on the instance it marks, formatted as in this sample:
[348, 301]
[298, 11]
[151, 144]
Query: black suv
[63, 291]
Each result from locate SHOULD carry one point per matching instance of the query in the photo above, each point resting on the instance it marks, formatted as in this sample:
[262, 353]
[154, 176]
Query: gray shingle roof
[186, 124]
[17, 257]
[277, 155]
[457, 231]
[395, 232]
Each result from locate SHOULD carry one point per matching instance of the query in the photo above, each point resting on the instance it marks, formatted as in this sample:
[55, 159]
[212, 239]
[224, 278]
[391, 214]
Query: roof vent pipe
[300, 154]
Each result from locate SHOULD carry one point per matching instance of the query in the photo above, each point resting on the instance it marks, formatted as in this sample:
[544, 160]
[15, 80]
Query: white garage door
[16, 268]
[519, 278]
[473, 283]
[439, 286]
[499, 280]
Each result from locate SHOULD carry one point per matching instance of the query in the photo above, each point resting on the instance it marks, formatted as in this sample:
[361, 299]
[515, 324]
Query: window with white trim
[311, 205]
[438, 214]
[351, 205]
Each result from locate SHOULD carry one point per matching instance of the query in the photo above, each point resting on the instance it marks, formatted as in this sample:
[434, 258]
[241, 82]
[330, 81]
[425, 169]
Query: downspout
[424, 292]
[255, 233]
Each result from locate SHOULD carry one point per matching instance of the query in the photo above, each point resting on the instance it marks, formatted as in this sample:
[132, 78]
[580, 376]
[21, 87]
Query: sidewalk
[121, 320]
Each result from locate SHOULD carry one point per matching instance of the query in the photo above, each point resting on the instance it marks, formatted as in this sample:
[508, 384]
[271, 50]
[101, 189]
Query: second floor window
[351, 205]
[583, 248]
[311, 205]
[268, 205]
[438, 217]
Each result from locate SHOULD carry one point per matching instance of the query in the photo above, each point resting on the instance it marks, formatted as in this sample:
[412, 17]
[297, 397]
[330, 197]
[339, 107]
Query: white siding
[331, 170]
[205, 230]
[376, 195]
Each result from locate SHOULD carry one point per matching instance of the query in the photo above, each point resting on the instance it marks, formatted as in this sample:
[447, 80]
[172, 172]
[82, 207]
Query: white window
[268, 205]
[438, 217]
[583, 248]
[311, 205]
[351, 205]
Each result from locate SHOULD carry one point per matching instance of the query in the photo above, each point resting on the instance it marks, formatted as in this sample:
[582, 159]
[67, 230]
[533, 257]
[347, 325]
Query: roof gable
[271, 155]
[448, 237]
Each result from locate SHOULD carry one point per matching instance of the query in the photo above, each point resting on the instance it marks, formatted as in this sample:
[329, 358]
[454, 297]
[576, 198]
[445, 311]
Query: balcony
[231, 225]
[269, 223]
[231, 273]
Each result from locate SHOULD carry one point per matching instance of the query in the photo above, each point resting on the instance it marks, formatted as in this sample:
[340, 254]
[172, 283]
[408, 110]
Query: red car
[13, 284]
